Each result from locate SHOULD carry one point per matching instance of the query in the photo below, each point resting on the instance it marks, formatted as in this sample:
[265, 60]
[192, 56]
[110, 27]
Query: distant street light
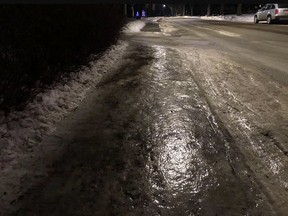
[163, 10]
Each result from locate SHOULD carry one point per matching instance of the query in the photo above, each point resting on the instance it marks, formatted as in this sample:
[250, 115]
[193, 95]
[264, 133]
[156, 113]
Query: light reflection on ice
[180, 160]
[182, 166]
[275, 165]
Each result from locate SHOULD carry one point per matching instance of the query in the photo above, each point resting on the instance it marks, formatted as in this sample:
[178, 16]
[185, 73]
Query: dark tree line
[38, 43]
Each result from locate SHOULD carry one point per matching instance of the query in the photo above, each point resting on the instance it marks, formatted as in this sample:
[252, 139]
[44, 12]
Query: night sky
[137, 1]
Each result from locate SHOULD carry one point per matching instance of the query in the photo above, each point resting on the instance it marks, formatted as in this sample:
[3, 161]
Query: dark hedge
[38, 43]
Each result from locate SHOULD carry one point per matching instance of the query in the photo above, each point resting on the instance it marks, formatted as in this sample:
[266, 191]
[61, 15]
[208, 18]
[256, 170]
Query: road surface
[193, 120]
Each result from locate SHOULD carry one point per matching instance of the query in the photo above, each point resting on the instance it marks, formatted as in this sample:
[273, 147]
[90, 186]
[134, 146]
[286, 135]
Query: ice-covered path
[172, 123]
[143, 142]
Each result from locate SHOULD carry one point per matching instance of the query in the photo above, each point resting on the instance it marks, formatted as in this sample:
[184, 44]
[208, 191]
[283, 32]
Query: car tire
[256, 20]
[269, 20]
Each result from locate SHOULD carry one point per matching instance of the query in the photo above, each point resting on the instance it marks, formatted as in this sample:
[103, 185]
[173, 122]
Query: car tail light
[276, 11]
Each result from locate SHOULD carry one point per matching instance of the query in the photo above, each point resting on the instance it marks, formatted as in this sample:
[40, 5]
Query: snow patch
[135, 26]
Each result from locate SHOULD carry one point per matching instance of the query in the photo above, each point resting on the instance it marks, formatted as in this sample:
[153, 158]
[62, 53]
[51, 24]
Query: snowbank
[232, 18]
[135, 26]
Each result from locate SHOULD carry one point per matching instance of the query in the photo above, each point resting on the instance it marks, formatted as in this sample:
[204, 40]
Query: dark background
[41, 43]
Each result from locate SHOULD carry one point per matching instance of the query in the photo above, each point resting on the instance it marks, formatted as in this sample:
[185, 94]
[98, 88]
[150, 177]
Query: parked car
[272, 13]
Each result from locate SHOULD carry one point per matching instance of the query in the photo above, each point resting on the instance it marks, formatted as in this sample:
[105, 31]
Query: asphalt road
[193, 120]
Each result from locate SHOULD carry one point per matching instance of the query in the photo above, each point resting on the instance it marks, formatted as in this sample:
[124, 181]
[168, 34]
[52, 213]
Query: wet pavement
[149, 140]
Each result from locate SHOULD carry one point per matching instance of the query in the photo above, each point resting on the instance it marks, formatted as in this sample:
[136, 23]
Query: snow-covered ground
[27, 128]
[232, 18]
[22, 130]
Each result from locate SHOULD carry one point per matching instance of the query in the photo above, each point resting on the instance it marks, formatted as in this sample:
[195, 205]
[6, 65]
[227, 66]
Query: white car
[272, 13]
